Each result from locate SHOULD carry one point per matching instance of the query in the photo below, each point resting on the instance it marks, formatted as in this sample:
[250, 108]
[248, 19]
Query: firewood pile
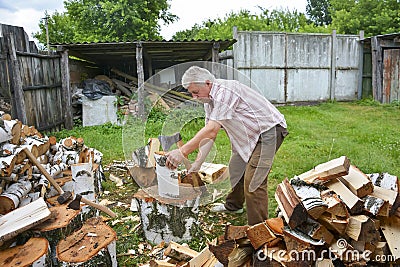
[332, 215]
[35, 229]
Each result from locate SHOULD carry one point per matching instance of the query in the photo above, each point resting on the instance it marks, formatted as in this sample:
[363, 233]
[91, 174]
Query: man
[255, 129]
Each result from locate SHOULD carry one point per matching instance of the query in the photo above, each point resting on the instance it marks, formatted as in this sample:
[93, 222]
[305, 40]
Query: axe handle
[99, 207]
[33, 159]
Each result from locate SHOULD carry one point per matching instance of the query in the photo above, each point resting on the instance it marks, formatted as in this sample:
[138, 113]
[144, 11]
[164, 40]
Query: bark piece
[22, 219]
[259, 234]
[374, 206]
[353, 203]
[233, 232]
[326, 171]
[290, 204]
[310, 196]
[86, 242]
[298, 241]
[222, 251]
[316, 231]
[179, 252]
[358, 182]
[26, 254]
[362, 228]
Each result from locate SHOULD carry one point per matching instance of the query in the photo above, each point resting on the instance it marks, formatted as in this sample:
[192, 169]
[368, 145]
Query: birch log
[11, 198]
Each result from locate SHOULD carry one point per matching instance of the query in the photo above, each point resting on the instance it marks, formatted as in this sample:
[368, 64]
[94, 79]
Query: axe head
[167, 141]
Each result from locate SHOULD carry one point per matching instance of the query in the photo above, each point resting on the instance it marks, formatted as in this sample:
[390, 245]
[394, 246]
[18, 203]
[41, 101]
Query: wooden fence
[33, 82]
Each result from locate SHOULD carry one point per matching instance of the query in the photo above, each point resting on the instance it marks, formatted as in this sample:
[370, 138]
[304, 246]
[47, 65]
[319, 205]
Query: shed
[142, 59]
[381, 70]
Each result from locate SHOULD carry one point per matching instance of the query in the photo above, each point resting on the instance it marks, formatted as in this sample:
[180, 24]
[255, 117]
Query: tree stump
[168, 219]
[32, 253]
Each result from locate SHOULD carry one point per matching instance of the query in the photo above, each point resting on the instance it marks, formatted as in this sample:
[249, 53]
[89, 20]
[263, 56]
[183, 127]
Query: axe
[65, 196]
[167, 141]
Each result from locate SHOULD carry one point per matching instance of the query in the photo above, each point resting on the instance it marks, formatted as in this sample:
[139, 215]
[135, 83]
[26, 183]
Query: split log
[167, 179]
[390, 227]
[259, 234]
[353, 203]
[11, 131]
[144, 177]
[22, 219]
[380, 253]
[327, 171]
[28, 254]
[276, 225]
[336, 206]
[334, 223]
[358, 182]
[240, 256]
[233, 232]
[385, 180]
[362, 228]
[298, 241]
[167, 219]
[201, 259]
[290, 205]
[376, 206]
[316, 231]
[89, 243]
[7, 165]
[10, 199]
[310, 196]
[179, 252]
[388, 195]
[211, 172]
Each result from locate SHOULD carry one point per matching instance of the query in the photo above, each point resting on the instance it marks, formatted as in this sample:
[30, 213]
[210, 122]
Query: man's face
[201, 91]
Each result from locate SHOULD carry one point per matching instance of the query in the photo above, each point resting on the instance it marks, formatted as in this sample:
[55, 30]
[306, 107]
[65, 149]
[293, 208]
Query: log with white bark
[32, 253]
[10, 131]
[376, 206]
[385, 180]
[316, 231]
[388, 195]
[22, 219]
[290, 204]
[11, 197]
[336, 207]
[327, 171]
[42, 144]
[7, 165]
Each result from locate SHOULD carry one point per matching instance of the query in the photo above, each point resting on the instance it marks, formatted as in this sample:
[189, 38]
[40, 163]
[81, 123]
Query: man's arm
[209, 131]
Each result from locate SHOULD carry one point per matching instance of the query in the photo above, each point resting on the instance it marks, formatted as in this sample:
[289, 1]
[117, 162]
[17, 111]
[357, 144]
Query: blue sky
[27, 14]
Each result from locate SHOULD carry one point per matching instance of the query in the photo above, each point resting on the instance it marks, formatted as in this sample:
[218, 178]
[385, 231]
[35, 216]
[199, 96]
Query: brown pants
[249, 180]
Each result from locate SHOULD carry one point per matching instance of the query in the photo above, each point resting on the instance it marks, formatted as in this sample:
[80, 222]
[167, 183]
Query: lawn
[366, 132]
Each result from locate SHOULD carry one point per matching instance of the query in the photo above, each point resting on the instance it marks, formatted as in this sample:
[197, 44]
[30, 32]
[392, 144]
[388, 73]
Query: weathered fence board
[39, 76]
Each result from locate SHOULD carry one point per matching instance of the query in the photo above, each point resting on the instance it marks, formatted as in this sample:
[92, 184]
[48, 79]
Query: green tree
[106, 20]
[373, 16]
[318, 12]
[275, 20]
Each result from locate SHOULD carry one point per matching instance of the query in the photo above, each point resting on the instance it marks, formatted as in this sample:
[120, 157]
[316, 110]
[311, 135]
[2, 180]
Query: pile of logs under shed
[35, 230]
[332, 215]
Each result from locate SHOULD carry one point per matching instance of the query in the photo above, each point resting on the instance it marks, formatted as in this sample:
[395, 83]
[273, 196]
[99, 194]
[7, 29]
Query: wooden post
[215, 59]
[333, 65]
[16, 81]
[140, 73]
[66, 90]
[360, 65]
[376, 69]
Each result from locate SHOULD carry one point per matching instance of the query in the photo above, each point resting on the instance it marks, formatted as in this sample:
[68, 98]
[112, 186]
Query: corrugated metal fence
[30, 81]
[289, 67]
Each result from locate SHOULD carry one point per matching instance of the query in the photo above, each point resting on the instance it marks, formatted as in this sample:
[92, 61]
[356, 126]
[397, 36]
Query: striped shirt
[243, 113]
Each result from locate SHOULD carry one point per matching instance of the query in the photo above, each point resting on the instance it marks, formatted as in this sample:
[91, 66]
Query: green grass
[366, 132]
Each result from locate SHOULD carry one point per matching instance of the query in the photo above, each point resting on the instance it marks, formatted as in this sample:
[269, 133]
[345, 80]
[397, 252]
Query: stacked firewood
[333, 214]
[30, 214]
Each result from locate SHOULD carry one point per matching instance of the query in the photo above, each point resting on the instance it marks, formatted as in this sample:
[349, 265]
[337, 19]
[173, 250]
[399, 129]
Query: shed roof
[162, 54]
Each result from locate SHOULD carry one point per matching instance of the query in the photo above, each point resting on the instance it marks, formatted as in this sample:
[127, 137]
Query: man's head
[198, 81]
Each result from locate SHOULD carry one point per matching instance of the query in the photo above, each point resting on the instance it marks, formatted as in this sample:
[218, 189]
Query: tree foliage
[106, 20]
[275, 20]
[373, 16]
[318, 12]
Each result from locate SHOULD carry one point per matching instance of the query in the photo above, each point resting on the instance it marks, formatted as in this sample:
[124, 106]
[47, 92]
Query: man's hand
[174, 158]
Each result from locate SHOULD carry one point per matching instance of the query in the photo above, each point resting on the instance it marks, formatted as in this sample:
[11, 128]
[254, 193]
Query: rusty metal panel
[391, 75]
[259, 49]
[348, 52]
[346, 83]
[308, 85]
[308, 51]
